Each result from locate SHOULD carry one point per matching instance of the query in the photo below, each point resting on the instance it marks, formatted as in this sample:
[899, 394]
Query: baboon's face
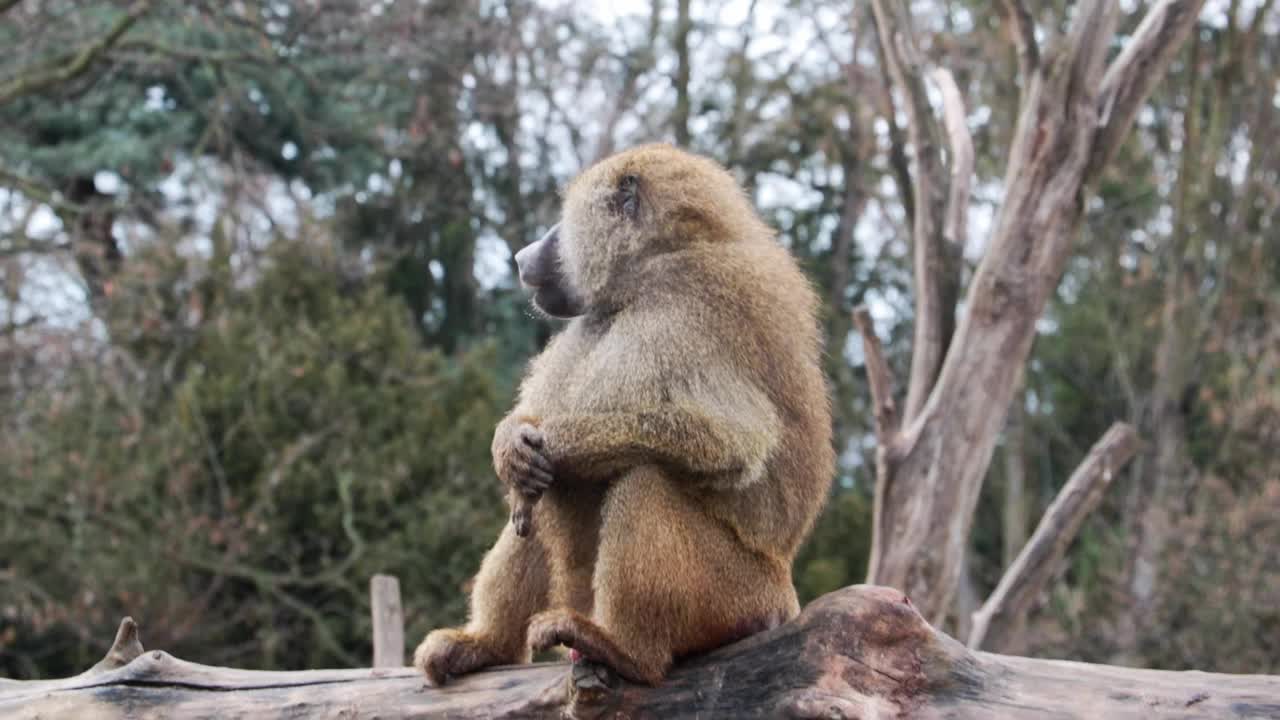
[542, 270]
[576, 266]
[619, 217]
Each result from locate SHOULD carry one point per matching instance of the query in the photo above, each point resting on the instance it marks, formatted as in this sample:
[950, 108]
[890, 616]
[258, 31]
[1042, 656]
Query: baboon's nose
[524, 264]
[536, 262]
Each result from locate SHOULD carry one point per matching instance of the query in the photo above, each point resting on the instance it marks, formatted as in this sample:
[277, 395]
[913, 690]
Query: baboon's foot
[446, 654]
[563, 626]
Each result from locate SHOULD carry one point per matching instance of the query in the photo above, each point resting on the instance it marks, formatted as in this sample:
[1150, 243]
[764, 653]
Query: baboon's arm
[713, 444]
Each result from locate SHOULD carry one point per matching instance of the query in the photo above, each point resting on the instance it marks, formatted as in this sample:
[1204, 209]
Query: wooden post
[388, 621]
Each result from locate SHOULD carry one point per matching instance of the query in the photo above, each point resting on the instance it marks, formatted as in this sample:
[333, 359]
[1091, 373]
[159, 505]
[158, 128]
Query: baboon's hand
[521, 462]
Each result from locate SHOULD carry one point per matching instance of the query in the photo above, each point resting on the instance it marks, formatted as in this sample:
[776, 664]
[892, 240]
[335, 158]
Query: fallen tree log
[861, 652]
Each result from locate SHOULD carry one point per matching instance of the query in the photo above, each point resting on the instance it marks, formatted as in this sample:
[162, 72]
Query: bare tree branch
[684, 28]
[853, 202]
[1136, 70]
[37, 192]
[10, 329]
[1024, 36]
[743, 74]
[78, 63]
[635, 64]
[905, 67]
[1087, 41]
[956, 224]
[152, 47]
[23, 244]
[880, 380]
[123, 651]
[897, 148]
[1039, 558]
[879, 376]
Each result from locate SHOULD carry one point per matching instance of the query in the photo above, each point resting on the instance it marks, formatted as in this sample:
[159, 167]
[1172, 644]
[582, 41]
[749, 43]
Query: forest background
[258, 317]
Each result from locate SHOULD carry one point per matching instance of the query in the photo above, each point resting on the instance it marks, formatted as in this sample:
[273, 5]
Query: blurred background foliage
[258, 320]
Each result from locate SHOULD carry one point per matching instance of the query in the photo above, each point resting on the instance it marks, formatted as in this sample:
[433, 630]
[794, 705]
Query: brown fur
[687, 424]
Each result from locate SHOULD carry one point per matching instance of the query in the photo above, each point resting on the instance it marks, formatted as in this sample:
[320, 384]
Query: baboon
[676, 433]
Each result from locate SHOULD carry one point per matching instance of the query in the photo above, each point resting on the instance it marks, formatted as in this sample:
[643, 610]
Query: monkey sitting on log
[670, 448]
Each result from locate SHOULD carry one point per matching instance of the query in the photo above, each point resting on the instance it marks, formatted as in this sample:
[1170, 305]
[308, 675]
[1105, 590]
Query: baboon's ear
[626, 198]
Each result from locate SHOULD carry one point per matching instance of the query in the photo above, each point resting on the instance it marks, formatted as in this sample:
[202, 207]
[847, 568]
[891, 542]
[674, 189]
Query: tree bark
[861, 652]
[1024, 36]
[1075, 113]
[1015, 478]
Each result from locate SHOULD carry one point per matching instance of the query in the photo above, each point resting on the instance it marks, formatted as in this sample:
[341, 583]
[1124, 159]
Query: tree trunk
[1075, 113]
[861, 652]
[684, 26]
[1169, 476]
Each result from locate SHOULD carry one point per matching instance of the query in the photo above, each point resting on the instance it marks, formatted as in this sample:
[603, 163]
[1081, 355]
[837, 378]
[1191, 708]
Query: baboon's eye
[626, 200]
